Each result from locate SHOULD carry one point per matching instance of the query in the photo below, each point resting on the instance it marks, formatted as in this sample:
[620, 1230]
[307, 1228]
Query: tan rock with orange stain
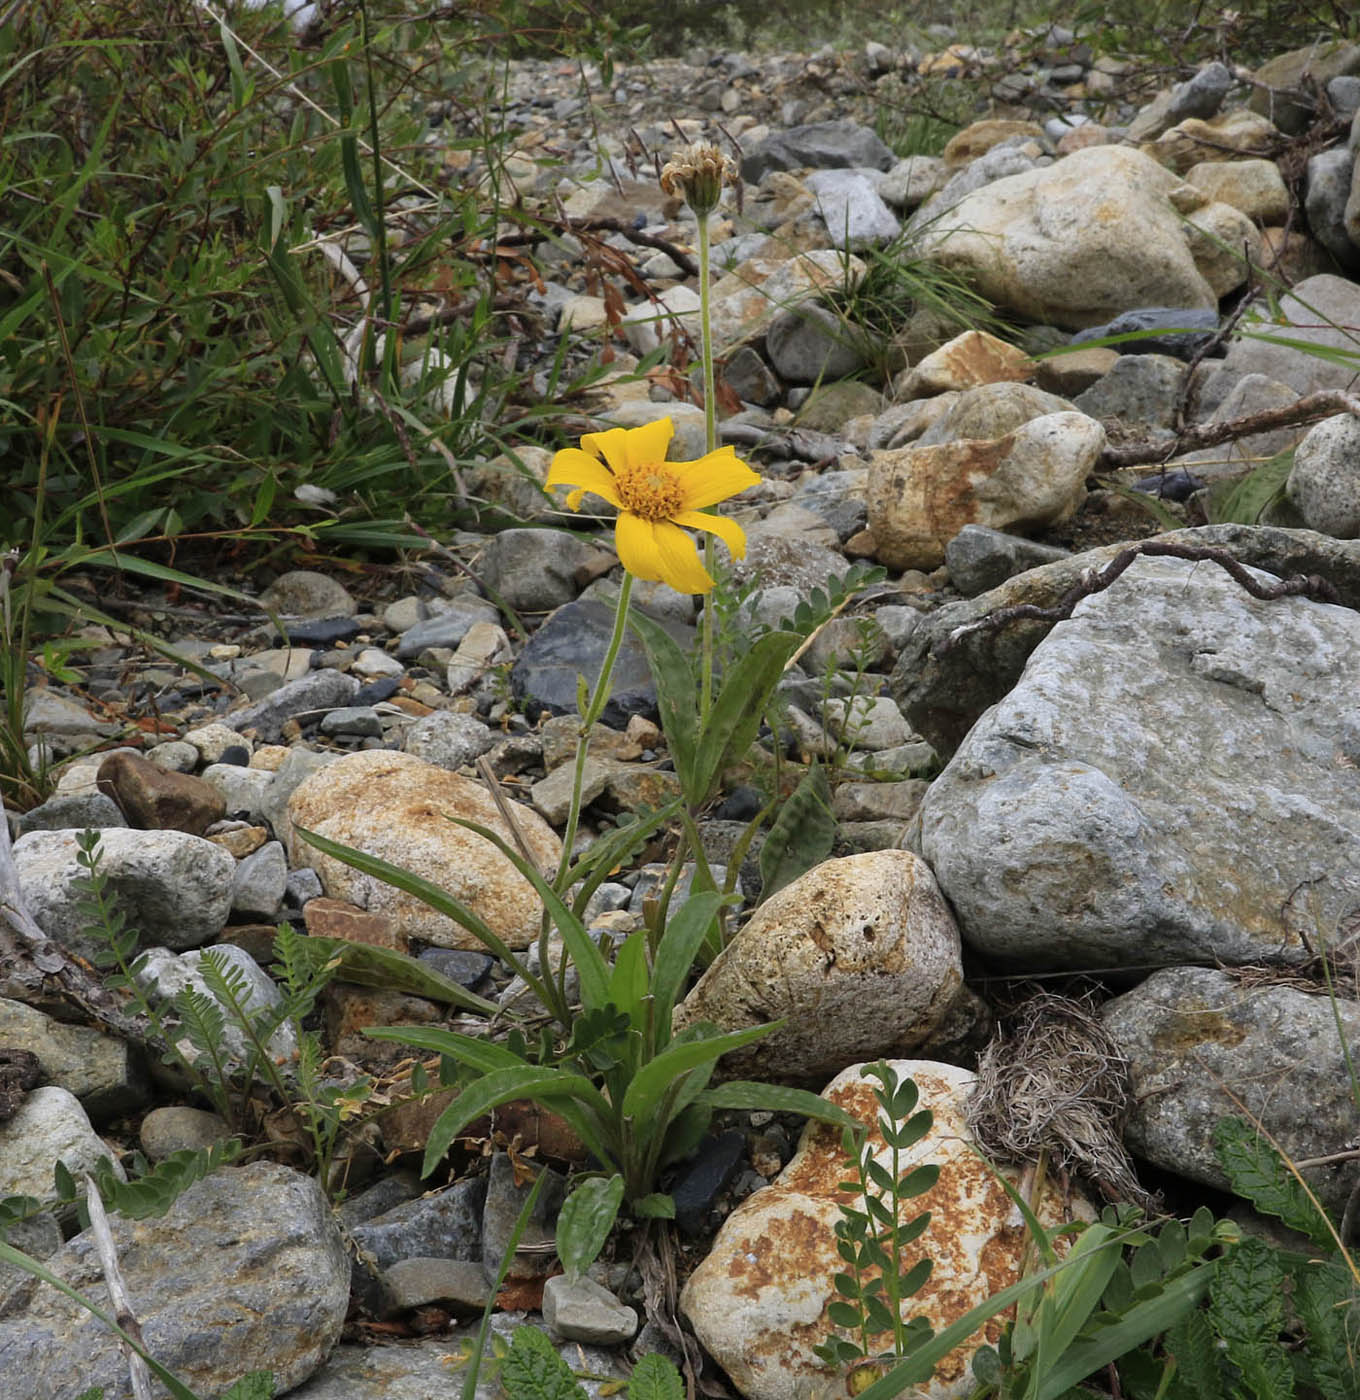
[398, 808]
[758, 1301]
[919, 498]
[968, 360]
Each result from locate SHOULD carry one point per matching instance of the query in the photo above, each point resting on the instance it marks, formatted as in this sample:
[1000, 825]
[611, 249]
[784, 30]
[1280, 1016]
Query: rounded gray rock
[175, 888]
[1324, 482]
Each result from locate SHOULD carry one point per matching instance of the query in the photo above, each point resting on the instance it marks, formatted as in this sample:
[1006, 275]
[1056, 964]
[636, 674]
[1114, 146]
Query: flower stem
[710, 444]
[594, 709]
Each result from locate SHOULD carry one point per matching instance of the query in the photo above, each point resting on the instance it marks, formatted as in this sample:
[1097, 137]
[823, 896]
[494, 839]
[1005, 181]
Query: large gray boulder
[246, 1272]
[1172, 767]
[943, 689]
[1323, 312]
[1197, 1039]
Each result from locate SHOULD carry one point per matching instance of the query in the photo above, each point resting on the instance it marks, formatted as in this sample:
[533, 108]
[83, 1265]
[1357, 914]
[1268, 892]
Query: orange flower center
[650, 489]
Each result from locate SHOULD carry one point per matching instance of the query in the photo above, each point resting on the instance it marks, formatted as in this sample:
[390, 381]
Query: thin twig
[138, 1372]
[1323, 404]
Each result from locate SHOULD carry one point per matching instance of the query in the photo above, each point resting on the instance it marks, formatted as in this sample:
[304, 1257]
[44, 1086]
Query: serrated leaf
[1256, 1171]
[1246, 1309]
[655, 1378]
[1328, 1308]
[257, 1385]
[585, 1220]
[532, 1369]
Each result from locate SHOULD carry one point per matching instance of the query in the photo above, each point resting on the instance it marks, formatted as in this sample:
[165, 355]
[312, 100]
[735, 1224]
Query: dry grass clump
[1052, 1081]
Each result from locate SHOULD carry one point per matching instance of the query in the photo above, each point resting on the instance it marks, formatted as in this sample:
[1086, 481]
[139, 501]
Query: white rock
[50, 1127]
[861, 955]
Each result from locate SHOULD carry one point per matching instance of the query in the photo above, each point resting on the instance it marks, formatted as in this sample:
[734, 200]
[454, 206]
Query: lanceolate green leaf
[802, 834]
[368, 966]
[742, 1093]
[585, 1220]
[428, 893]
[590, 965]
[739, 708]
[681, 940]
[485, 1055]
[652, 1081]
[675, 683]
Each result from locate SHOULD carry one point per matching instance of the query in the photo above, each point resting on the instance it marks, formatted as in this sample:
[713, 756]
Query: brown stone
[336, 918]
[1070, 373]
[241, 841]
[1228, 137]
[976, 140]
[350, 1010]
[155, 799]
[1291, 256]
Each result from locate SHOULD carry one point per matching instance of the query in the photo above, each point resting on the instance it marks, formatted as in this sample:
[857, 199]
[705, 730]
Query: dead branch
[1323, 404]
[1097, 580]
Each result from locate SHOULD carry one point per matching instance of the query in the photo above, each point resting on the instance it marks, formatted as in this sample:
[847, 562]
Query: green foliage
[532, 1369]
[1249, 499]
[801, 835]
[636, 1093]
[585, 1220]
[871, 1237]
[1255, 1170]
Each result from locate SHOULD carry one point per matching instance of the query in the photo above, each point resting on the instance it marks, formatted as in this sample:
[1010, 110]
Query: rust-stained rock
[919, 498]
[758, 1301]
[970, 359]
[860, 954]
[336, 918]
[156, 799]
[397, 807]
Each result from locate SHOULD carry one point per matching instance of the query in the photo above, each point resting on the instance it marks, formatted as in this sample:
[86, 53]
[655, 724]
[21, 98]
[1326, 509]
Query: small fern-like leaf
[1199, 1372]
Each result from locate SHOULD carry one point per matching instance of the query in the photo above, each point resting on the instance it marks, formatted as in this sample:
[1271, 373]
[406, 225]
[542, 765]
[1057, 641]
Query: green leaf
[778, 1098]
[590, 965]
[585, 1220]
[424, 890]
[1327, 1306]
[1256, 1171]
[545, 1084]
[676, 689]
[628, 982]
[484, 1055]
[730, 730]
[675, 953]
[1199, 1372]
[657, 1206]
[367, 966]
[655, 1378]
[1245, 501]
[532, 1369]
[801, 835]
[1246, 1309]
[651, 1082]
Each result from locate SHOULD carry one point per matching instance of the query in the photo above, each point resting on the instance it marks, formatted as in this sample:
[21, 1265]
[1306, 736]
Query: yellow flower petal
[572, 467]
[728, 531]
[635, 541]
[622, 447]
[680, 566]
[714, 478]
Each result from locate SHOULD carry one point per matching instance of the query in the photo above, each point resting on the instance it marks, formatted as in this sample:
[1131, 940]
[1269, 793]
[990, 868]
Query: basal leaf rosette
[657, 500]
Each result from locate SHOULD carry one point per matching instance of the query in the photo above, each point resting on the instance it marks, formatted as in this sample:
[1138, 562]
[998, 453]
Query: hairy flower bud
[698, 174]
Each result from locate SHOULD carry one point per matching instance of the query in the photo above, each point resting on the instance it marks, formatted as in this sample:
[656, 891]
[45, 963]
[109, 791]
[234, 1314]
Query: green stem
[594, 709]
[710, 445]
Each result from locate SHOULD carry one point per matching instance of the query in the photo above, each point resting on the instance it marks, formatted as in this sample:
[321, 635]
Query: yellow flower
[628, 467]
